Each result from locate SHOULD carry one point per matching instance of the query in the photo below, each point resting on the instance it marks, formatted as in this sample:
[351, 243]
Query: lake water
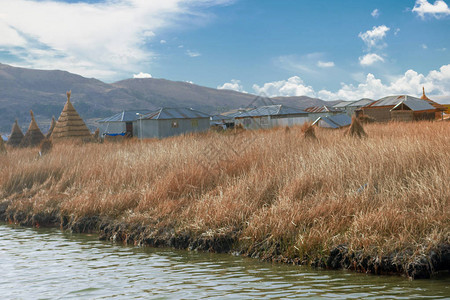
[50, 264]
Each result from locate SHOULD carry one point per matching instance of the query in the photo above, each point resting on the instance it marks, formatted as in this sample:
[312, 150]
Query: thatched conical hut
[52, 127]
[70, 125]
[34, 135]
[16, 136]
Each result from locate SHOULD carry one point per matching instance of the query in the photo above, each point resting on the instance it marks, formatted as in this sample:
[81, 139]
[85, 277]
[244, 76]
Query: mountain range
[44, 92]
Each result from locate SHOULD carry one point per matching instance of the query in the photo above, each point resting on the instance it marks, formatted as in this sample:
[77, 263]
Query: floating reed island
[373, 201]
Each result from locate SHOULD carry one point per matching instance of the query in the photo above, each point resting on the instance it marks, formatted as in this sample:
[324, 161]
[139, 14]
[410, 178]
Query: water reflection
[46, 263]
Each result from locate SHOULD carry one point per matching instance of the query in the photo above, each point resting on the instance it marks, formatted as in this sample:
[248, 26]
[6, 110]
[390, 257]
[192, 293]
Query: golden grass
[386, 193]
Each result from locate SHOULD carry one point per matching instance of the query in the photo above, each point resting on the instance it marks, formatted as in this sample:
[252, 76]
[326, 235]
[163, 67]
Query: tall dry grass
[386, 193]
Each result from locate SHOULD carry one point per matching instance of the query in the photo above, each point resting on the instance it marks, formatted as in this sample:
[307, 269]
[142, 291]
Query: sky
[331, 50]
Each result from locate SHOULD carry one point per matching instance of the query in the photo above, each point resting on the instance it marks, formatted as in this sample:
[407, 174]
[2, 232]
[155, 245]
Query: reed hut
[70, 125]
[34, 136]
[16, 136]
[52, 127]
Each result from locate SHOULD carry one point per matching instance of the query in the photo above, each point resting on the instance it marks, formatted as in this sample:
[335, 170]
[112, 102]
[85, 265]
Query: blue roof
[336, 121]
[341, 119]
[126, 116]
[272, 110]
[175, 113]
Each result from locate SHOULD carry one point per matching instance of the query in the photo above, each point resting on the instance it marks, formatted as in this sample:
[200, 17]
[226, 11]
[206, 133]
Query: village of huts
[172, 121]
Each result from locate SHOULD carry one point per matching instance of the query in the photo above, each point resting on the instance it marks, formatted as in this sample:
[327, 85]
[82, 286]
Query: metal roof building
[167, 113]
[166, 122]
[401, 108]
[121, 123]
[272, 110]
[269, 116]
[349, 107]
[126, 116]
[411, 109]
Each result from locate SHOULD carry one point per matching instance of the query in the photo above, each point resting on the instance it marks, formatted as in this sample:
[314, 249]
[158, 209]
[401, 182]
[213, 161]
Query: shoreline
[378, 204]
[423, 267]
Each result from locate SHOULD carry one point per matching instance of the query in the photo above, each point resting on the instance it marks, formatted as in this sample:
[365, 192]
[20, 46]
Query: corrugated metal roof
[336, 121]
[341, 119]
[125, 116]
[271, 110]
[415, 104]
[321, 109]
[388, 101]
[343, 104]
[362, 102]
[357, 103]
[175, 113]
[220, 118]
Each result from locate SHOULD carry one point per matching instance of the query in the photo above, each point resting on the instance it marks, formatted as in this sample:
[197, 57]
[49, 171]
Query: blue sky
[327, 49]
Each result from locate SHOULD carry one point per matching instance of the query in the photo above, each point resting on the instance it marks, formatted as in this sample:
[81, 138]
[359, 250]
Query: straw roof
[356, 129]
[70, 124]
[52, 127]
[16, 136]
[34, 136]
[424, 97]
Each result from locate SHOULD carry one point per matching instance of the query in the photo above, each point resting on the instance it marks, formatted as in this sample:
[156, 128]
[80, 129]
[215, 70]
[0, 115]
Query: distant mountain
[45, 93]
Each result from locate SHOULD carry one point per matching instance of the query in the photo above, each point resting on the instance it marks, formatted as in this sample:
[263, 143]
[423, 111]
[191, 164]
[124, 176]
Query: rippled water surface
[50, 264]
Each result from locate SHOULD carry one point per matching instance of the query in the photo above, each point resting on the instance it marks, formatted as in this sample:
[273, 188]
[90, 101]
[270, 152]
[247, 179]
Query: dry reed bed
[278, 193]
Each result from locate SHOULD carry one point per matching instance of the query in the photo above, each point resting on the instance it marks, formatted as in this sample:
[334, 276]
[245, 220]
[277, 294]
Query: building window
[174, 124]
[194, 123]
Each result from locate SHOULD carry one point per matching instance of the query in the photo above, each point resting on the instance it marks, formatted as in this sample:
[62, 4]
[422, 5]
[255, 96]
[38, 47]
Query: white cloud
[397, 30]
[370, 59]
[437, 10]
[325, 64]
[437, 82]
[142, 75]
[424, 46]
[307, 63]
[83, 37]
[192, 53]
[375, 13]
[294, 86]
[234, 85]
[162, 41]
[373, 38]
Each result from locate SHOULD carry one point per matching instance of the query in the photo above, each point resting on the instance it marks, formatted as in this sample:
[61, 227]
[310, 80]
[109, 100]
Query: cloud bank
[436, 82]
